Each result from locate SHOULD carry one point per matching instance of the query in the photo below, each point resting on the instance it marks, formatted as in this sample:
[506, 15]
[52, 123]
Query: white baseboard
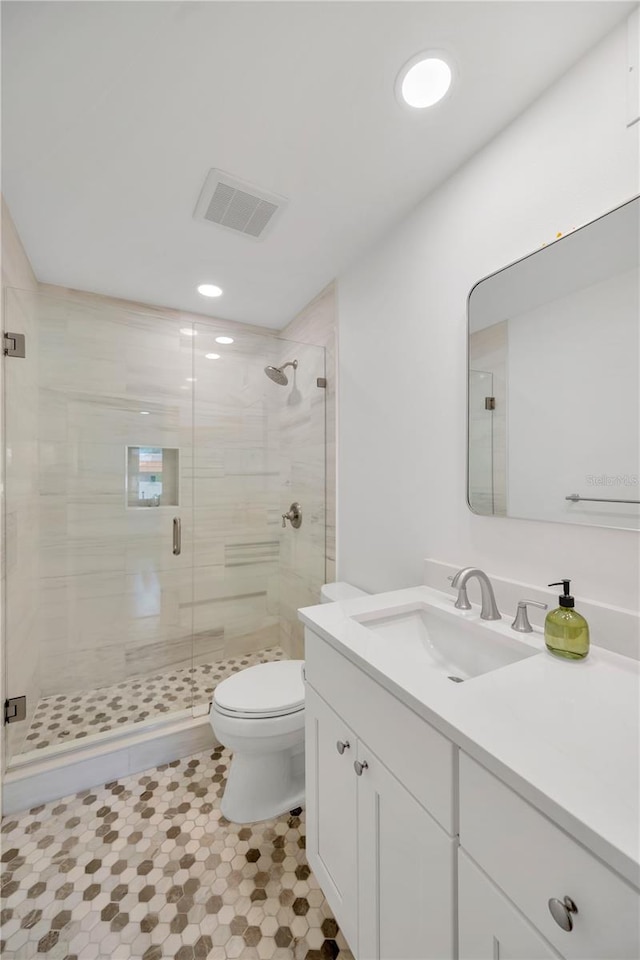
[613, 628]
[34, 779]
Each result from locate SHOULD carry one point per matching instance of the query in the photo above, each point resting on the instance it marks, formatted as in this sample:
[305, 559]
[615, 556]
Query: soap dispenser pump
[566, 632]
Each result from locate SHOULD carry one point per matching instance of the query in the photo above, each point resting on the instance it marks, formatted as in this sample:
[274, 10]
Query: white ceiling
[113, 113]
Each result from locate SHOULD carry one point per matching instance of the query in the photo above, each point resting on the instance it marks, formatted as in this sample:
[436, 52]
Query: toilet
[340, 590]
[258, 714]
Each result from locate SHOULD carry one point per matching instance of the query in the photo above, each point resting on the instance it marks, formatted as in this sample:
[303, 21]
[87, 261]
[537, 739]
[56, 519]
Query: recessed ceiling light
[209, 290]
[189, 331]
[224, 339]
[424, 80]
[212, 356]
[144, 413]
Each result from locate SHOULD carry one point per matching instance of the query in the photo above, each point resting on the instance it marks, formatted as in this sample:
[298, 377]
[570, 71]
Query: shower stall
[149, 460]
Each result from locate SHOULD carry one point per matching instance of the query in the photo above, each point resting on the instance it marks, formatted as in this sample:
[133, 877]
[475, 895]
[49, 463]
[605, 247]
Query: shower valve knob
[293, 515]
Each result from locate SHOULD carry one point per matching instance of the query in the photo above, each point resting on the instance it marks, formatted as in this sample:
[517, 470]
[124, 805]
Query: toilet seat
[266, 690]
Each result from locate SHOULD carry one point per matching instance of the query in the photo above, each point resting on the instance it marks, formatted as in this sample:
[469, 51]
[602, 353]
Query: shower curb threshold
[33, 779]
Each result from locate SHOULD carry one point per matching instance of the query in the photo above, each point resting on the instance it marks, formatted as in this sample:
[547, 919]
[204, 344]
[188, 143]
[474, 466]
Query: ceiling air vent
[237, 205]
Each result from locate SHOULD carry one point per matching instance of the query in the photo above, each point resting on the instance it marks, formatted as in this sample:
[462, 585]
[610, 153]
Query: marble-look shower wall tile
[72, 669]
[144, 660]
[301, 447]
[317, 324]
[308, 466]
[19, 533]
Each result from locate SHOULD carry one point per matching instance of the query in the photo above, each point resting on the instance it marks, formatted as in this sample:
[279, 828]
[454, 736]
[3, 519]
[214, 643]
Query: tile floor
[148, 868]
[63, 718]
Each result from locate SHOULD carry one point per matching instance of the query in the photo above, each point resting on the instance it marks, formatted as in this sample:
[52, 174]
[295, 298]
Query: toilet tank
[330, 592]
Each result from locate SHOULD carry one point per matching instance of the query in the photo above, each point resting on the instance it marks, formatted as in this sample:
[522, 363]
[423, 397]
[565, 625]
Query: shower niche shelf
[152, 477]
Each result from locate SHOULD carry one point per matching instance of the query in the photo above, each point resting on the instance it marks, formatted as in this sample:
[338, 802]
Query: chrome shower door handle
[177, 536]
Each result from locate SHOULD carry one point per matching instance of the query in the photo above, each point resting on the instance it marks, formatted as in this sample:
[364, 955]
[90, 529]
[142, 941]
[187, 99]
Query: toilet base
[263, 786]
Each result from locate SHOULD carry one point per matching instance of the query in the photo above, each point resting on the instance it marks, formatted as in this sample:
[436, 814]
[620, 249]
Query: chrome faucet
[489, 608]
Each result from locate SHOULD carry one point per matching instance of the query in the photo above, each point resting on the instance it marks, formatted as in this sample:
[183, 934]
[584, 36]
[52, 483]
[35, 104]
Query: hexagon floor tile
[74, 716]
[147, 868]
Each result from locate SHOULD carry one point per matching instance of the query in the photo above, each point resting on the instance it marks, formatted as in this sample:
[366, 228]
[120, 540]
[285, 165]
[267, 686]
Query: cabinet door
[405, 871]
[331, 792]
[490, 927]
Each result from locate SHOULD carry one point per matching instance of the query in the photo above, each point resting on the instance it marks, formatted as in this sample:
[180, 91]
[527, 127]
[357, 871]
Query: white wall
[402, 335]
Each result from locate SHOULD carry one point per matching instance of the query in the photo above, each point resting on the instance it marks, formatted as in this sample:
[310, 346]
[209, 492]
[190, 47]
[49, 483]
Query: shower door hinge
[321, 382]
[489, 403]
[15, 709]
[14, 345]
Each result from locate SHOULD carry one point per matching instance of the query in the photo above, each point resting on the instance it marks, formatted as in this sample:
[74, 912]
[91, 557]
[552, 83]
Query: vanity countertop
[565, 735]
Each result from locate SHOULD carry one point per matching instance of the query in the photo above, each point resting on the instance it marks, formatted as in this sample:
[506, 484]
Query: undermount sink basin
[457, 648]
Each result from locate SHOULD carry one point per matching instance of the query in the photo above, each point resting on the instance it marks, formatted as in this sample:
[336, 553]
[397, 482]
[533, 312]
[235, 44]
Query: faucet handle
[462, 600]
[521, 622]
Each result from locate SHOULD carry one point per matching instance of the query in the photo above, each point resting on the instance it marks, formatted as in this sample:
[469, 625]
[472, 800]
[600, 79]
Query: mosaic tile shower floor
[148, 868]
[62, 718]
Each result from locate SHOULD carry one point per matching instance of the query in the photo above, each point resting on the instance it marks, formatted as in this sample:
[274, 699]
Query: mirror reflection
[554, 411]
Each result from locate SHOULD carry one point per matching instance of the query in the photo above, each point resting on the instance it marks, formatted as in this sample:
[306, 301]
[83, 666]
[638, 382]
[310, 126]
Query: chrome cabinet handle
[342, 745]
[360, 766]
[177, 536]
[561, 911]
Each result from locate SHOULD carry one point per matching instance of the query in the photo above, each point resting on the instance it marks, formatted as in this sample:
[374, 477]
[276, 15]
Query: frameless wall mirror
[554, 380]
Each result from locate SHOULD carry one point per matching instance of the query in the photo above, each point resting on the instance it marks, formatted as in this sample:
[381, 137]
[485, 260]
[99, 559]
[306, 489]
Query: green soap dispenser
[566, 632]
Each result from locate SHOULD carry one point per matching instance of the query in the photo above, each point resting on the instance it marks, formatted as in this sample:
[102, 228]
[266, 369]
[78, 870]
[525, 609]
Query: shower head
[276, 373]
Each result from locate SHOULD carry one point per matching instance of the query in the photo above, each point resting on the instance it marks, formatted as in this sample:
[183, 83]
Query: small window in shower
[152, 476]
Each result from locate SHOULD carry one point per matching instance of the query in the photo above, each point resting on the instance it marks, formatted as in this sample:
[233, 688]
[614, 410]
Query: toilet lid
[266, 690]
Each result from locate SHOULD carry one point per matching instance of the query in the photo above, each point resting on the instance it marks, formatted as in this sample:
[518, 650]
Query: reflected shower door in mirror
[554, 381]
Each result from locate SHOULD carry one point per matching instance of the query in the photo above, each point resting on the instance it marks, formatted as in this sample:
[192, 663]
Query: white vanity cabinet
[386, 865]
[523, 855]
[405, 872]
[423, 854]
[332, 810]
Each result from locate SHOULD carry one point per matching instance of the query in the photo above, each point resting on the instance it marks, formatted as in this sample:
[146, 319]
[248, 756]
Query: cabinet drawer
[490, 927]
[532, 861]
[420, 757]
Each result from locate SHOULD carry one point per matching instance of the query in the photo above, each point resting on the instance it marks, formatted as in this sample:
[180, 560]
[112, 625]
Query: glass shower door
[98, 436]
[149, 463]
[259, 446]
